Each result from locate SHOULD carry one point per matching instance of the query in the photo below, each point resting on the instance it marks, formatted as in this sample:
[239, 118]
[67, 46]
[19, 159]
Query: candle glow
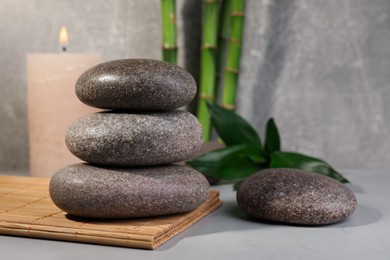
[64, 39]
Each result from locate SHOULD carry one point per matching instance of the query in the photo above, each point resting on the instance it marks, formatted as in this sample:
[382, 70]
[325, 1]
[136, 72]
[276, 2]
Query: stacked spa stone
[130, 147]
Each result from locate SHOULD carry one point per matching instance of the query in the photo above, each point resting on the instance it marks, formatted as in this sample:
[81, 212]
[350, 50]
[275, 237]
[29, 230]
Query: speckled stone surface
[296, 197]
[123, 139]
[136, 84]
[88, 191]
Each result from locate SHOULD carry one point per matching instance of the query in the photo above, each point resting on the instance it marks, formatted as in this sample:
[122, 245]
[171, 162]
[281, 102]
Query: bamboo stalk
[223, 43]
[168, 15]
[234, 54]
[208, 63]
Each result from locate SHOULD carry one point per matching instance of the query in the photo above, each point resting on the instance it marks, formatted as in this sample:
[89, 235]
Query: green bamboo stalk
[208, 63]
[234, 54]
[168, 15]
[223, 42]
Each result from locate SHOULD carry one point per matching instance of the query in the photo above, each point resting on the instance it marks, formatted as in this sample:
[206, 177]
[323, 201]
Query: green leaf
[257, 158]
[232, 128]
[237, 185]
[300, 161]
[232, 162]
[272, 138]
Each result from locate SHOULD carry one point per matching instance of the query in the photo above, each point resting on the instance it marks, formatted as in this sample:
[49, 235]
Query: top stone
[136, 84]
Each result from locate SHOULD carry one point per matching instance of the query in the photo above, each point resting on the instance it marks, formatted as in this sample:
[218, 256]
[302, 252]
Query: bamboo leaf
[232, 162]
[232, 128]
[257, 158]
[304, 162]
[237, 185]
[272, 138]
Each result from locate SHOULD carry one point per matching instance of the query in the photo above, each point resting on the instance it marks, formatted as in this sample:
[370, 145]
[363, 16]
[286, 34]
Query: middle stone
[123, 139]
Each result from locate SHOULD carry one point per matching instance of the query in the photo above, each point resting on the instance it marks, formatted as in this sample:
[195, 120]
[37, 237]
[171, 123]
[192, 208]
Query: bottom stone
[102, 192]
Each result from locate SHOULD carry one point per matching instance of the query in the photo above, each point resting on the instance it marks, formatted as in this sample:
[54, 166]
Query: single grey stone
[88, 191]
[294, 196]
[136, 84]
[123, 139]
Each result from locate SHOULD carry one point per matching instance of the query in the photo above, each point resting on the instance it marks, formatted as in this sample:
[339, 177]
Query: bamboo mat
[27, 210]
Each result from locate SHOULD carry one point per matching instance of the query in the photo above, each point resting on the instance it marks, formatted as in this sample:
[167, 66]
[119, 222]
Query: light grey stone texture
[296, 197]
[136, 84]
[124, 139]
[320, 68]
[88, 191]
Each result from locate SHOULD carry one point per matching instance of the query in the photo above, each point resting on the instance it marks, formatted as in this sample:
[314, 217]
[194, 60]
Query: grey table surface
[228, 234]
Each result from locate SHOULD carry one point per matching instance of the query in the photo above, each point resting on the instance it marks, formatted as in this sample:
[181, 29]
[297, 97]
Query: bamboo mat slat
[27, 210]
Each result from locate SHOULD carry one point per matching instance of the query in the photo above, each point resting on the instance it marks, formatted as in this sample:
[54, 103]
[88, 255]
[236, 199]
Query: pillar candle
[53, 106]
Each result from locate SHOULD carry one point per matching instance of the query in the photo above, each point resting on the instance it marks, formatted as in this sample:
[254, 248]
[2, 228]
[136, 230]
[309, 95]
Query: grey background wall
[320, 68]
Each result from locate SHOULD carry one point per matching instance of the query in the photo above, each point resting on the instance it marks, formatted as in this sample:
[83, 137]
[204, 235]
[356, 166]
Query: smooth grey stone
[88, 191]
[136, 84]
[294, 196]
[122, 139]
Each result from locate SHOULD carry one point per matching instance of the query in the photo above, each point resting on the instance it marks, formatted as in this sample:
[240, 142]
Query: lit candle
[53, 105]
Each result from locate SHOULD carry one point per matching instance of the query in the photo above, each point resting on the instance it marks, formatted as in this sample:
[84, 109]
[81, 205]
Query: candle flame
[64, 40]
